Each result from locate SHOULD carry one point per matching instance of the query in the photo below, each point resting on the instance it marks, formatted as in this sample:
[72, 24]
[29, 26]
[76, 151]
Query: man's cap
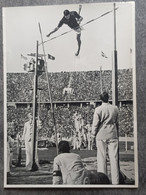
[66, 12]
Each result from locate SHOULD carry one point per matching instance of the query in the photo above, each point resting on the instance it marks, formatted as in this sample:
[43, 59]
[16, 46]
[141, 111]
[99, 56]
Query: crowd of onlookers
[19, 87]
[65, 120]
[126, 120]
[84, 85]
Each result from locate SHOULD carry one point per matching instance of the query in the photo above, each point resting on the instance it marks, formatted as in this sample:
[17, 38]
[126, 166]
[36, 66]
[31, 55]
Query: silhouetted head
[63, 147]
[104, 97]
[66, 14]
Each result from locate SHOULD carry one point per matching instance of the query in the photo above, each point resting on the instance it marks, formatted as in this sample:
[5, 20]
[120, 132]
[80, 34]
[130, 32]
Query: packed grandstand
[82, 98]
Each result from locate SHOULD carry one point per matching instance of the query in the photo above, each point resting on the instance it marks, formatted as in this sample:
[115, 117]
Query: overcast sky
[21, 33]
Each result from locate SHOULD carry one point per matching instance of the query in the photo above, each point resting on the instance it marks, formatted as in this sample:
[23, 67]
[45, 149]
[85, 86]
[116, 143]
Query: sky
[21, 33]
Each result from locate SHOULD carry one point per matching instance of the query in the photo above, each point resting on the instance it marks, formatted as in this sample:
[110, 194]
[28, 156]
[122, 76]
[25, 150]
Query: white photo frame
[20, 35]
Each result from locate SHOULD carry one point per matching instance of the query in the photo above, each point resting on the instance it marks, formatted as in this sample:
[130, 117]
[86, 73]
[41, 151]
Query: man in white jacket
[105, 129]
[27, 137]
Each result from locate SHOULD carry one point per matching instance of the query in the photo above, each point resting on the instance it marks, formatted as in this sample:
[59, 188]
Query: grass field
[48, 154]
[46, 157]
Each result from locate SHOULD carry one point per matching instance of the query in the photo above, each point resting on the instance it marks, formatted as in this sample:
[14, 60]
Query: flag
[23, 57]
[31, 54]
[34, 55]
[51, 57]
[103, 55]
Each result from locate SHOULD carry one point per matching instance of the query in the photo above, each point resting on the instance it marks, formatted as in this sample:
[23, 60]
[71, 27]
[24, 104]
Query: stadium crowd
[85, 85]
[65, 121]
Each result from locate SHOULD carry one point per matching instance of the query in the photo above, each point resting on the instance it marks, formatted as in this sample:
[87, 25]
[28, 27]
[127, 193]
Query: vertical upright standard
[115, 66]
[101, 87]
[34, 132]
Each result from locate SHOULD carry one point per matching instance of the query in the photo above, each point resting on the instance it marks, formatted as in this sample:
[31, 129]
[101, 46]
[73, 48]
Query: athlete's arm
[53, 31]
[80, 20]
[78, 17]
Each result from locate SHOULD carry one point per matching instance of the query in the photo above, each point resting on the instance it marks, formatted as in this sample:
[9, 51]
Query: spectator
[76, 141]
[59, 137]
[8, 156]
[11, 149]
[27, 136]
[89, 136]
[68, 169]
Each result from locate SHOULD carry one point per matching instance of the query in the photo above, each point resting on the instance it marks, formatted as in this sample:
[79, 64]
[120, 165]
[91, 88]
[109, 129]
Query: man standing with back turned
[73, 20]
[105, 129]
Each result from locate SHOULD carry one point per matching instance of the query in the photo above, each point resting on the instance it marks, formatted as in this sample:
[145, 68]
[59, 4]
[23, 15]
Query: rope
[80, 26]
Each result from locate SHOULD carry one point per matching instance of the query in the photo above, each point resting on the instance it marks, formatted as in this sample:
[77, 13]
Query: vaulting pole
[50, 95]
[80, 7]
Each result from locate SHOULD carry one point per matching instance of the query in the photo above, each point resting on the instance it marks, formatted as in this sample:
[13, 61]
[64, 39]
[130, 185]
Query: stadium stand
[83, 99]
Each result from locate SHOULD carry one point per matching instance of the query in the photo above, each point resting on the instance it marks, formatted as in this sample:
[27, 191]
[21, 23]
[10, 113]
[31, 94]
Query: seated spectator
[8, 156]
[68, 169]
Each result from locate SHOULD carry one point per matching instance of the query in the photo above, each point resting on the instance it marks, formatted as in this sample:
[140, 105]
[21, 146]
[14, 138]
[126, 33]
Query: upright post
[34, 132]
[115, 67]
[115, 75]
[101, 88]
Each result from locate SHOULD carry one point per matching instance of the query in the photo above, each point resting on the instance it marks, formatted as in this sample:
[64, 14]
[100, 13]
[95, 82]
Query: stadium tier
[85, 86]
[71, 92]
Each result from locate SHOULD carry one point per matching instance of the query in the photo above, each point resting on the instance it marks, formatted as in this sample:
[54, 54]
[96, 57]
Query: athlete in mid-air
[73, 20]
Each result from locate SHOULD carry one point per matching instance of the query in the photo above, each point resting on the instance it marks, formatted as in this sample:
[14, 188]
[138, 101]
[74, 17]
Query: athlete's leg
[78, 31]
[79, 43]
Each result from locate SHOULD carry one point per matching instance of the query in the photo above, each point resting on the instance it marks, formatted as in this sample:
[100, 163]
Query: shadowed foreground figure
[68, 169]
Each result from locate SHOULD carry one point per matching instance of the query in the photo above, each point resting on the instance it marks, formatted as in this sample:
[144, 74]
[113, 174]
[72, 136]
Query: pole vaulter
[50, 96]
[80, 7]
[73, 20]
